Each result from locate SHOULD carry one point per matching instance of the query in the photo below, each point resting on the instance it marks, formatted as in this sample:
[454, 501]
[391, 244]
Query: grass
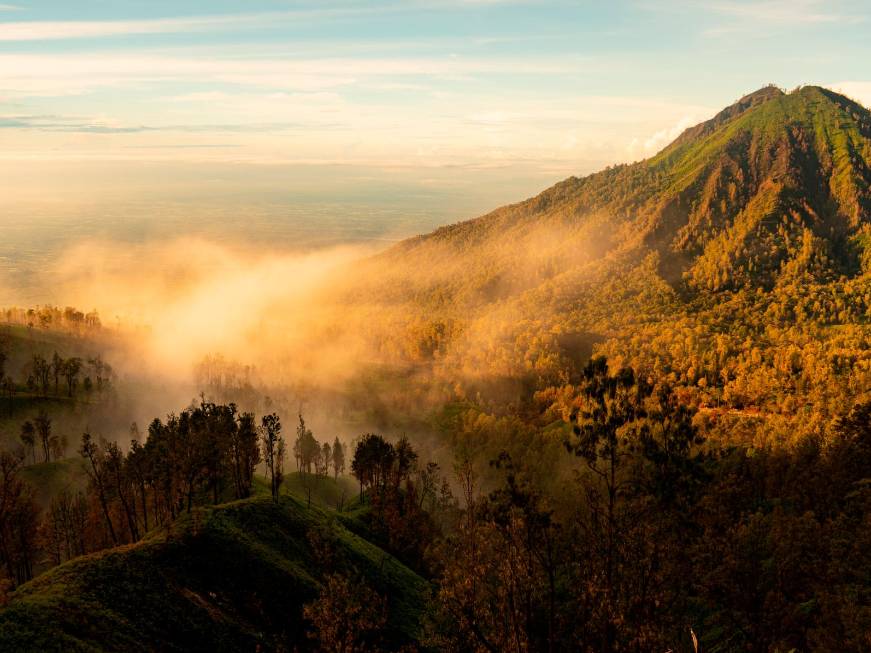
[325, 492]
[52, 478]
[225, 578]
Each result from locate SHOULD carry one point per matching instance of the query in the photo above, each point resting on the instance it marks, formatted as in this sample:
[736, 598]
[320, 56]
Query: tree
[373, 462]
[305, 448]
[189, 452]
[57, 368]
[19, 518]
[117, 471]
[273, 451]
[4, 351]
[140, 467]
[406, 460]
[245, 454]
[71, 369]
[41, 373]
[7, 386]
[347, 617]
[58, 446]
[608, 405]
[65, 528]
[668, 445]
[214, 430]
[99, 481]
[28, 439]
[42, 424]
[318, 460]
[325, 459]
[498, 586]
[338, 458]
[102, 372]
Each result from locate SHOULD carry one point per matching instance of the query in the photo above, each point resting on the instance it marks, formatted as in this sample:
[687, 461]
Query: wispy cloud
[781, 12]
[73, 124]
[660, 138]
[576, 134]
[75, 29]
[31, 75]
[60, 124]
[754, 15]
[55, 30]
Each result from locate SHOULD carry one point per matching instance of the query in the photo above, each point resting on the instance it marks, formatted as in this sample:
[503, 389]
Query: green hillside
[228, 578]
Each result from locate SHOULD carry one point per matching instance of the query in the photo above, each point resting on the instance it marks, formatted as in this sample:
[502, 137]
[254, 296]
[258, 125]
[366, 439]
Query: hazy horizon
[296, 126]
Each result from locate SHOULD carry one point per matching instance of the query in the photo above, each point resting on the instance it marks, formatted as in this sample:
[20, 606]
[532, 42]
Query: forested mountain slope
[735, 263]
[772, 187]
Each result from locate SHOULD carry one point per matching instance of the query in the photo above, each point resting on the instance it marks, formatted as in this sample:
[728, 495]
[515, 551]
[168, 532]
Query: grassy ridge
[225, 578]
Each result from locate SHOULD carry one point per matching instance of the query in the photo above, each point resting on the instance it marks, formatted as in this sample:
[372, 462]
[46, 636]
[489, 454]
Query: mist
[179, 301]
[368, 337]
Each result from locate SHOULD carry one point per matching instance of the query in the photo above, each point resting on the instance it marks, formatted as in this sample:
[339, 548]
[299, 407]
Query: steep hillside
[229, 578]
[775, 186]
[736, 262]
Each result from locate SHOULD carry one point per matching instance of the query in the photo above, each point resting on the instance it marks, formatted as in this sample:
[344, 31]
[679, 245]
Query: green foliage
[231, 577]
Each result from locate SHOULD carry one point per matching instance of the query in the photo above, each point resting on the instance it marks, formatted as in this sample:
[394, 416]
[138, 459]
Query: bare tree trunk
[107, 516]
[143, 496]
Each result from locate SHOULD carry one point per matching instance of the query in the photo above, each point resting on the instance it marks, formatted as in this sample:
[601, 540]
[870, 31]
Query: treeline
[39, 442]
[205, 454]
[52, 317]
[310, 454]
[61, 375]
[19, 524]
[663, 541]
[208, 453]
[798, 352]
[57, 376]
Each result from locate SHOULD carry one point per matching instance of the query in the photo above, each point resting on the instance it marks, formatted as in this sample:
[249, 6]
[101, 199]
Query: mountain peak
[749, 101]
[775, 189]
[767, 92]
[748, 189]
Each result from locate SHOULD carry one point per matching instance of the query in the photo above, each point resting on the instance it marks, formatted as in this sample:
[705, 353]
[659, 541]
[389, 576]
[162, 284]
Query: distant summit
[749, 101]
[774, 188]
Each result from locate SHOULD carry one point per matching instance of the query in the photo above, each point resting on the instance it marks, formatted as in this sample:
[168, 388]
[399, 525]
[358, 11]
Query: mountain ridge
[165, 593]
[774, 186]
[759, 222]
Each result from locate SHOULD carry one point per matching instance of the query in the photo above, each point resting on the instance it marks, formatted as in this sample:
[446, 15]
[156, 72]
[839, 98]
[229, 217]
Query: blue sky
[473, 94]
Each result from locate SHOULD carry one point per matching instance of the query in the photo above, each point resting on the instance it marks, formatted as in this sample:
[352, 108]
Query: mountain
[773, 187]
[757, 219]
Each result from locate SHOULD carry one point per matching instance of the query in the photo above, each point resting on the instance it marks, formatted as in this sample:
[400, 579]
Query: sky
[413, 112]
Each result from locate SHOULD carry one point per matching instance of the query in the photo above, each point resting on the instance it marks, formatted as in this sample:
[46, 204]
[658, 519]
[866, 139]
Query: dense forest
[632, 413]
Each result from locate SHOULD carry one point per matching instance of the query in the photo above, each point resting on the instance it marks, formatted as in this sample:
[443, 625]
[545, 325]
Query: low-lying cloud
[183, 300]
